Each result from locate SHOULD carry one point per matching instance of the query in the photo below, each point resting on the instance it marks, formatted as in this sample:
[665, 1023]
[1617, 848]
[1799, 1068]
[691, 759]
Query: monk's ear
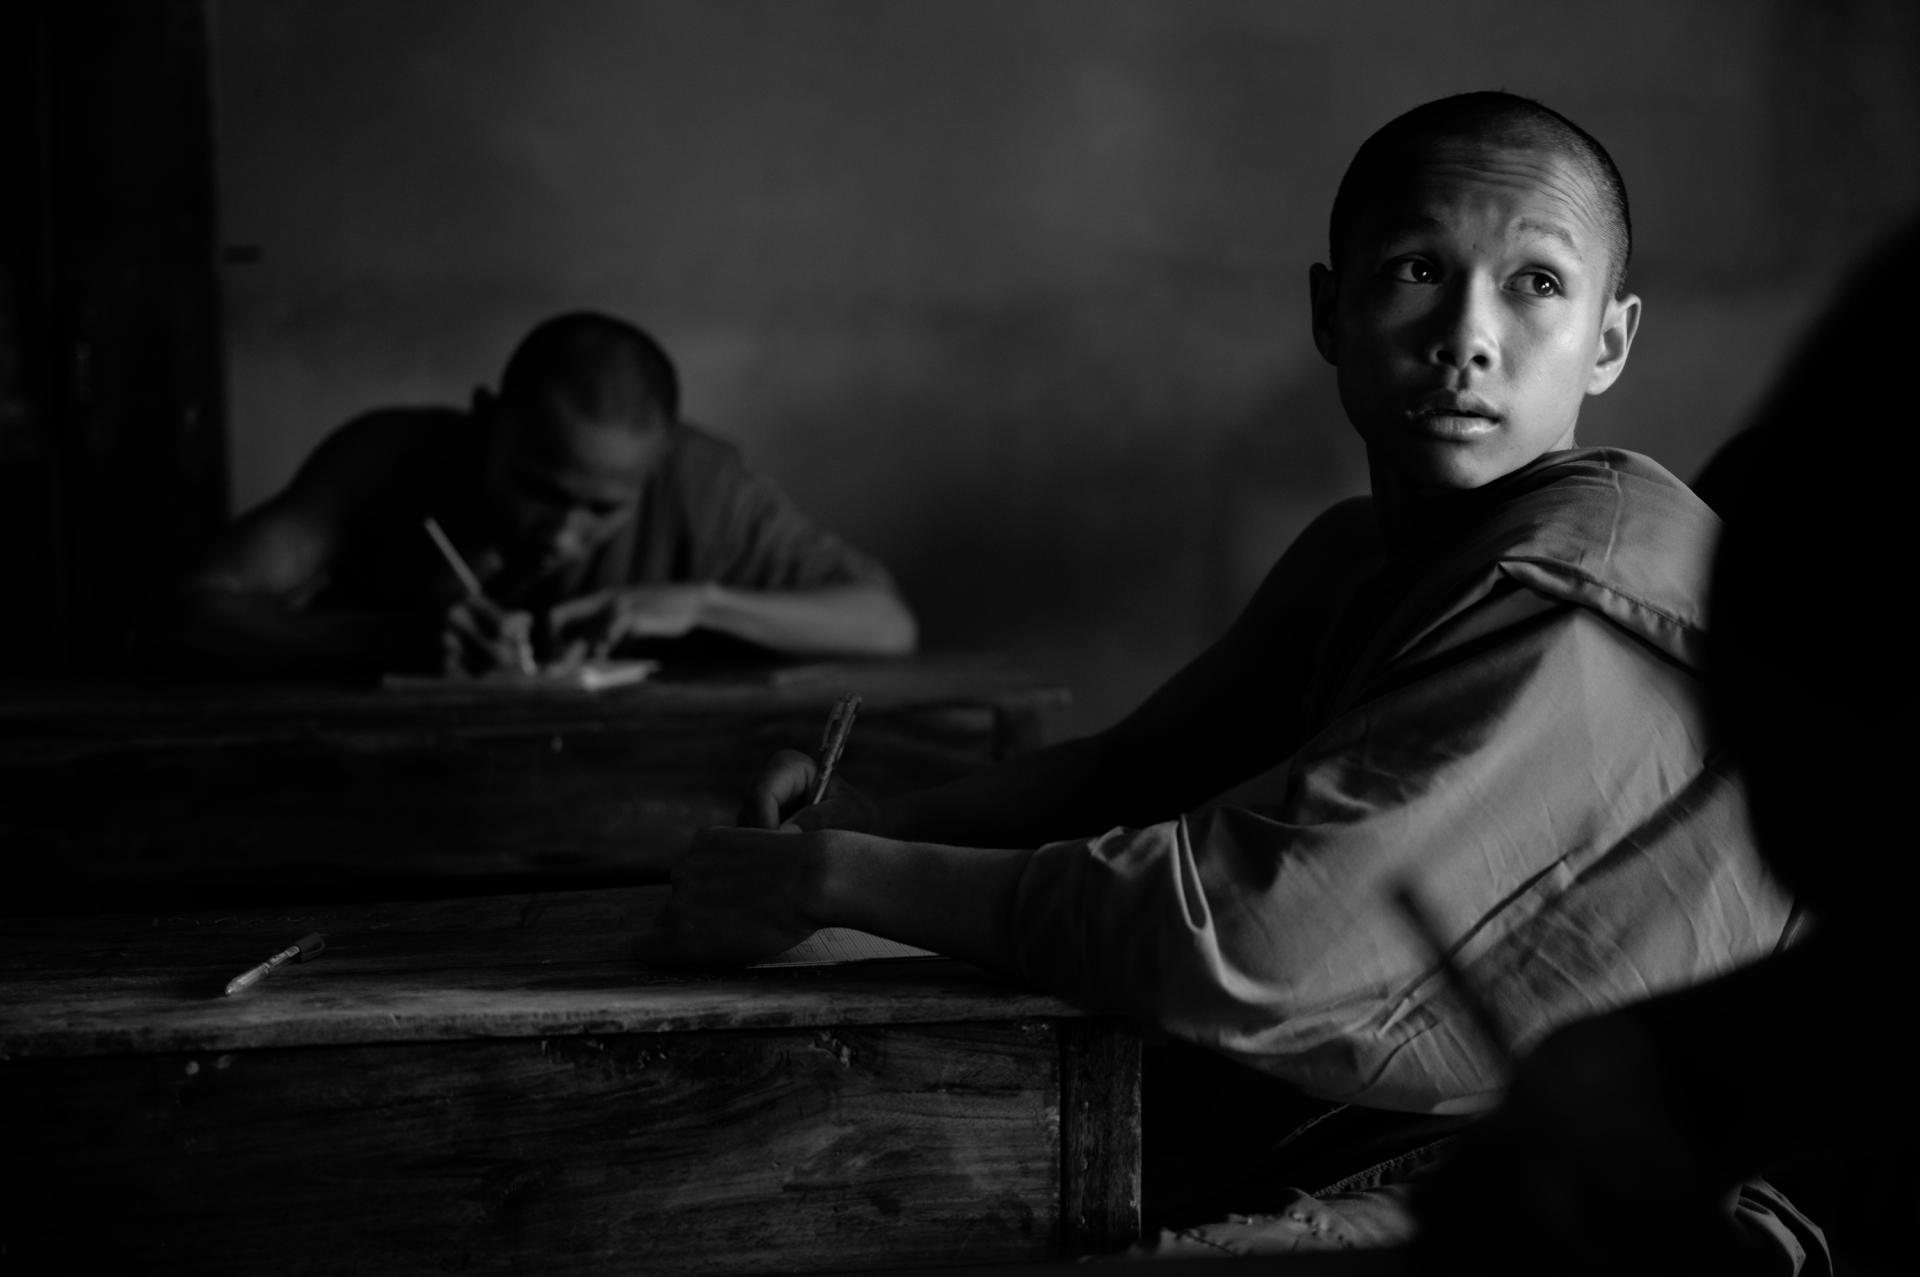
[1323, 290]
[1618, 323]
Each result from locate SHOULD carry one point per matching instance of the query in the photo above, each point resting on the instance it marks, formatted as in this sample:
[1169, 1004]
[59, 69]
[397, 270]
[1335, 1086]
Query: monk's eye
[1412, 270]
[1536, 283]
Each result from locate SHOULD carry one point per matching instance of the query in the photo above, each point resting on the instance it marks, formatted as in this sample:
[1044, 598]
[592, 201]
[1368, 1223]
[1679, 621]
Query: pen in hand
[832, 741]
[305, 949]
[471, 583]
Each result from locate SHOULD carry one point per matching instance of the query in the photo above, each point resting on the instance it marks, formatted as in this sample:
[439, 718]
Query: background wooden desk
[148, 796]
[489, 1083]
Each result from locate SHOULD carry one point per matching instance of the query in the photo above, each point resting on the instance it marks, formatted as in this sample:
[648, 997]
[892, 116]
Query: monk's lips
[1454, 424]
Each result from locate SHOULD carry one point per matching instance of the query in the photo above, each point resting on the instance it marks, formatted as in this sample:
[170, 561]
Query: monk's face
[1470, 316]
[560, 485]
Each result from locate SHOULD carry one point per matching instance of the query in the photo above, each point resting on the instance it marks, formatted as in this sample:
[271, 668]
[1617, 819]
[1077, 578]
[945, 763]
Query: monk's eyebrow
[1547, 230]
[1426, 223]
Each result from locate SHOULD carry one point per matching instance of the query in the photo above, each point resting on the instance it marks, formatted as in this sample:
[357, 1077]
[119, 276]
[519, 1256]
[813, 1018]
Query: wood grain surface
[36, 713]
[754, 1151]
[490, 966]
[1100, 1136]
[493, 1084]
[182, 797]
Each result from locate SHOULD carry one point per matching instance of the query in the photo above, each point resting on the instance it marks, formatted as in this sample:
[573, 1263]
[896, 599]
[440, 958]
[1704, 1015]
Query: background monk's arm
[241, 611]
[1235, 710]
[760, 569]
[865, 619]
[855, 618]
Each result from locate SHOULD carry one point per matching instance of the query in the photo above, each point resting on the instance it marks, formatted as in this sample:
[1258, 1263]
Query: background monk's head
[1476, 289]
[579, 424]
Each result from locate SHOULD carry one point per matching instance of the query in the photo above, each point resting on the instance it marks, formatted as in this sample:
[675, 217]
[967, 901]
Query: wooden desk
[485, 1084]
[150, 796]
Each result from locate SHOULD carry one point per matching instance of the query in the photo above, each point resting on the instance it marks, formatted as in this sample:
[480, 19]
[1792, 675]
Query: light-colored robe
[1509, 715]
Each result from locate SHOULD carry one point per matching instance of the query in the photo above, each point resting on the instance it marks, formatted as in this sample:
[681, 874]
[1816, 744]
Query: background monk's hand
[478, 637]
[738, 896]
[596, 623]
[781, 794]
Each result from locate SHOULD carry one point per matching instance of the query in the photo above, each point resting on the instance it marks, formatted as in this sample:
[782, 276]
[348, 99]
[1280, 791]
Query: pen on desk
[833, 740]
[305, 949]
[1407, 899]
[469, 581]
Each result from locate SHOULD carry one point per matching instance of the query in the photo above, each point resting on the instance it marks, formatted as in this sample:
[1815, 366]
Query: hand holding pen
[832, 743]
[479, 624]
[792, 791]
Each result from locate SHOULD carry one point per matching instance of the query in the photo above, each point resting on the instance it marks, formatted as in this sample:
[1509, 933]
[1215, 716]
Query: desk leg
[1099, 1135]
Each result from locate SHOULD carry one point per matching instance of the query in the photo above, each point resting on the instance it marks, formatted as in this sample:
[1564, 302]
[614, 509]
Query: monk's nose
[569, 539]
[1465, 330]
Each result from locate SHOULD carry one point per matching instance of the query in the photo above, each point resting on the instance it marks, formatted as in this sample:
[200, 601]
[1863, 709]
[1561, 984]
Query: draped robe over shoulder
[1508, 715]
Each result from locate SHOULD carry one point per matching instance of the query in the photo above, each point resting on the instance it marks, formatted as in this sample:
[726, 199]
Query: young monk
[590, 513]
[1628, 1127]
[1481, 680]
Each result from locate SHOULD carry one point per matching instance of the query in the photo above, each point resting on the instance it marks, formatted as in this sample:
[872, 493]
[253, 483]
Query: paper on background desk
[592, 676]
[833, 945]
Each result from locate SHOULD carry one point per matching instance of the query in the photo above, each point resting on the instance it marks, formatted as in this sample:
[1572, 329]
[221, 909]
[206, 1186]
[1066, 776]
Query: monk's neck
[1412, 513]
[1409, 513]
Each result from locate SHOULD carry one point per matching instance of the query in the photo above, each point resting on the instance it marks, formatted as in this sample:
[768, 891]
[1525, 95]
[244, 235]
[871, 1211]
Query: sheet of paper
[602, 674]
[831, 945]
[594, 676]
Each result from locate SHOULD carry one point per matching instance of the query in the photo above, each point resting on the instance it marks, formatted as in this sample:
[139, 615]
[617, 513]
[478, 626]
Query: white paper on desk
[590, 676]
[832, 945]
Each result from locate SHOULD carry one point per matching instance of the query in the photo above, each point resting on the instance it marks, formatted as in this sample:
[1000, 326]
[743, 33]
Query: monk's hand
[596, 623]
[739, 895]
[478, 637]
[782, 798]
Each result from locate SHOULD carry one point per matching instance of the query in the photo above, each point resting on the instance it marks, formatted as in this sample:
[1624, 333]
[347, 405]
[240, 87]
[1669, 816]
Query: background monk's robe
[703, 516]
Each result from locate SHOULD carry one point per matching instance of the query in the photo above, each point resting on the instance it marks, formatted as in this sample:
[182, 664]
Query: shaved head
[591, 367]
[581, 423]
[1484, 119]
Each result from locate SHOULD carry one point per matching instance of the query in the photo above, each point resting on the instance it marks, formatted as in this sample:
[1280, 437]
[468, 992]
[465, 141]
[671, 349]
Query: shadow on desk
[176, 796]
[1364, 1263]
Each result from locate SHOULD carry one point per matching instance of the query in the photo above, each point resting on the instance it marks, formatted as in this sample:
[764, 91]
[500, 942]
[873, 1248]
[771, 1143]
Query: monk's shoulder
[699, 460]
[390, 451]
[402, 437]
[1616, 534]
[1597, 506]
[707, 485]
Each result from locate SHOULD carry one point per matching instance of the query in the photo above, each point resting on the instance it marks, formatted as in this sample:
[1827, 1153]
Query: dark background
[1011, 293]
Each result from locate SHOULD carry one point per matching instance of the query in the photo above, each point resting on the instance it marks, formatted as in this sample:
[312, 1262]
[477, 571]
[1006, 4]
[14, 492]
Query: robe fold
[1506, 714]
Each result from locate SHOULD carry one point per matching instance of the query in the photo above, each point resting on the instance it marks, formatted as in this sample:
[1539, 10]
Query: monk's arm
[859, 619]
[237, 631]
[1234, 710]
[241, 610]
[853, 620]
[761, 570]
[741, 894]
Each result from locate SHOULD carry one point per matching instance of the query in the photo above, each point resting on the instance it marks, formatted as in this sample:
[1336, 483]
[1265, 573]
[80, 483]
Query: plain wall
[1011, 293]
